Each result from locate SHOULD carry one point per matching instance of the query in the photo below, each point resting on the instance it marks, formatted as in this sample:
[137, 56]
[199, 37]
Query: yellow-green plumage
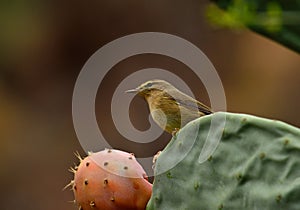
[170, 108]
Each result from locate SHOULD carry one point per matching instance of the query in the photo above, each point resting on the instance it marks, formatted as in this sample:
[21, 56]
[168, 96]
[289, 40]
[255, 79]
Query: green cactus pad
[256, 165]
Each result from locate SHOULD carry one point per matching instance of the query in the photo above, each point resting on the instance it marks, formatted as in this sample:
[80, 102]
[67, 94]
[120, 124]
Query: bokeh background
[43, 46]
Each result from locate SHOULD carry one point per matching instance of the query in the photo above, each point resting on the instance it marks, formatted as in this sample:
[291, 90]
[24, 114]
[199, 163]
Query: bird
[170, 108]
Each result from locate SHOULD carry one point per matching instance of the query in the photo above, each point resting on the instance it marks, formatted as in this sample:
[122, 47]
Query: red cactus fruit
[111, 180]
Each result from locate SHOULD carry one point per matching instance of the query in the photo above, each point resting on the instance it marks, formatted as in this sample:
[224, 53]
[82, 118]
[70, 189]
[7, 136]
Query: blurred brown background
[43, 46]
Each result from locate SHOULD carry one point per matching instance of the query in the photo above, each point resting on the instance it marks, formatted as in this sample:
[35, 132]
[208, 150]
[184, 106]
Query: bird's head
[150, 86]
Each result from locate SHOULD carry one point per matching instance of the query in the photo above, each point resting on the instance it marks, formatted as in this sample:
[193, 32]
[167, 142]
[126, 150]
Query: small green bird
[170, 108]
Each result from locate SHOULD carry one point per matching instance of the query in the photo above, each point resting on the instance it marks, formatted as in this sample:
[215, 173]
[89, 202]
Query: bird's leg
[175, 131]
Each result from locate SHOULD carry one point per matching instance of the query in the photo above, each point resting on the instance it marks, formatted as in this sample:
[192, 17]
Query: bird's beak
[132, 91]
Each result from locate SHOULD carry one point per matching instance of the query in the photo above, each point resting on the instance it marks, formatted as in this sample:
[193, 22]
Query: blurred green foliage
[278, 19]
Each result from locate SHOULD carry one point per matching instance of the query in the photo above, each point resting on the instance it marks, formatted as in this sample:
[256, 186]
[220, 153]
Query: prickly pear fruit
[111, 180]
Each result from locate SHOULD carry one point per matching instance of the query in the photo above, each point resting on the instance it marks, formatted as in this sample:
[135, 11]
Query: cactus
[110, 180]
[256, 165]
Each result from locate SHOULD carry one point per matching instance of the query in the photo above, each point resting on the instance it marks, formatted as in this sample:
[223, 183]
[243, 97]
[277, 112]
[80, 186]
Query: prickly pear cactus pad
[255, 166]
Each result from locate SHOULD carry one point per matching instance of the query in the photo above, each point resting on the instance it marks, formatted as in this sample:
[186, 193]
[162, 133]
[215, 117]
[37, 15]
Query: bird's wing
[195, 104]
[189, 102]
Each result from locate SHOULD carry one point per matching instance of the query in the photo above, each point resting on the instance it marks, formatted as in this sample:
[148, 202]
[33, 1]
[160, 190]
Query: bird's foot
[175, 131]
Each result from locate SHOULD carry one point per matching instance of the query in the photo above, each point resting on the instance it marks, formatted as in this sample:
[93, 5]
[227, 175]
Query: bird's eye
[148, 84]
